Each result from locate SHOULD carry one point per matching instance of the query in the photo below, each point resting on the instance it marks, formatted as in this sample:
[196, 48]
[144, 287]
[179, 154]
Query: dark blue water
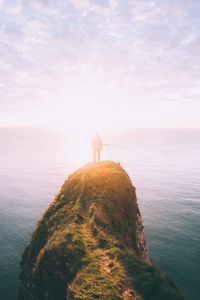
[163, 165]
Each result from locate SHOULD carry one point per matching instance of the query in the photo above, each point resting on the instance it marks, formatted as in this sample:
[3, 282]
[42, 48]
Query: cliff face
[90, 243]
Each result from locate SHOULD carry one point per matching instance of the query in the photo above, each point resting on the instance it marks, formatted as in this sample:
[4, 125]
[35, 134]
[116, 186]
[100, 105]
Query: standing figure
[97, 146]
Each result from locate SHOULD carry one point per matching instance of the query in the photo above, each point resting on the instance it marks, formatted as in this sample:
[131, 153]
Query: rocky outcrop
[90, 244]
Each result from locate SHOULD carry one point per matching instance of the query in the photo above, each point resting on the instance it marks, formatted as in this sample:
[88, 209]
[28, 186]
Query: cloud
[43, 7]
[191, 37]
[136, 51]
[13, 8]
[1, 4]
[80, 3]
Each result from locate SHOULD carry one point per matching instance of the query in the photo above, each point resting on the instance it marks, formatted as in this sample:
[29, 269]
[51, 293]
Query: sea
[164, 166]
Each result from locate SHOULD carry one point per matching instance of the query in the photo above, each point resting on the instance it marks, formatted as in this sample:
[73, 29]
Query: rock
[90, 244]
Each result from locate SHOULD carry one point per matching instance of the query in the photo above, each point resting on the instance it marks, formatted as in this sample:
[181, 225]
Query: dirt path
[105, 262]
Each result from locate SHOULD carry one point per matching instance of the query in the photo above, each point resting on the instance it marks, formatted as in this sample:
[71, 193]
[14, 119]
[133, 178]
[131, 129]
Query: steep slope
[90, 244]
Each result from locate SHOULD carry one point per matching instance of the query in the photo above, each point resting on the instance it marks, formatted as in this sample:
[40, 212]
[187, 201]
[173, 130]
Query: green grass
[149, 281]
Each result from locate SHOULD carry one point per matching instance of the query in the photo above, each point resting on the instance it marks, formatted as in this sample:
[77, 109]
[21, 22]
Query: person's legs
[94, 155]
[99, 154]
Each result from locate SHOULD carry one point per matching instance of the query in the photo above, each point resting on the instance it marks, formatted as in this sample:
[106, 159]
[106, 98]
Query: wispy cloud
[43, 7]
[141, 50]
[14, 8]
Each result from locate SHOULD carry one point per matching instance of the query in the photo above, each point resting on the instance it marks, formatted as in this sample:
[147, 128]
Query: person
[97, 146]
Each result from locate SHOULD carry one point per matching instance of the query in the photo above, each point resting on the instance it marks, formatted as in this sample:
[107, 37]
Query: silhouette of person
[97, 146]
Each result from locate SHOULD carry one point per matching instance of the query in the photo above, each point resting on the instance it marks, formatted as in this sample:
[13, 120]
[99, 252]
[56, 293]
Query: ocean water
[164, 167]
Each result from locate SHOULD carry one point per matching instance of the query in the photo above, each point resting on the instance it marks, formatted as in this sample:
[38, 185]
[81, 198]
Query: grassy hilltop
[90, 244]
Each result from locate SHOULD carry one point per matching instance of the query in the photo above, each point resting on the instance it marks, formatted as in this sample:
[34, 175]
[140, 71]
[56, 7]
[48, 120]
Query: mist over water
[164, 166]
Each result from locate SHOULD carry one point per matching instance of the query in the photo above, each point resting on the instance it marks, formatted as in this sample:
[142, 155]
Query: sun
[82, 111]
[80, 144]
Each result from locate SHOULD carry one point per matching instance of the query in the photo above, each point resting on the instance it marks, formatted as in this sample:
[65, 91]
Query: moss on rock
[90, 244]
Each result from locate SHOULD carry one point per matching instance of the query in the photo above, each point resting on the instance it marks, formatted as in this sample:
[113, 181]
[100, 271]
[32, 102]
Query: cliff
[90, 244]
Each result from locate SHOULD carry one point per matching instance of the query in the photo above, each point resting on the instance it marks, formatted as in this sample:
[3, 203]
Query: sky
[100, 63]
